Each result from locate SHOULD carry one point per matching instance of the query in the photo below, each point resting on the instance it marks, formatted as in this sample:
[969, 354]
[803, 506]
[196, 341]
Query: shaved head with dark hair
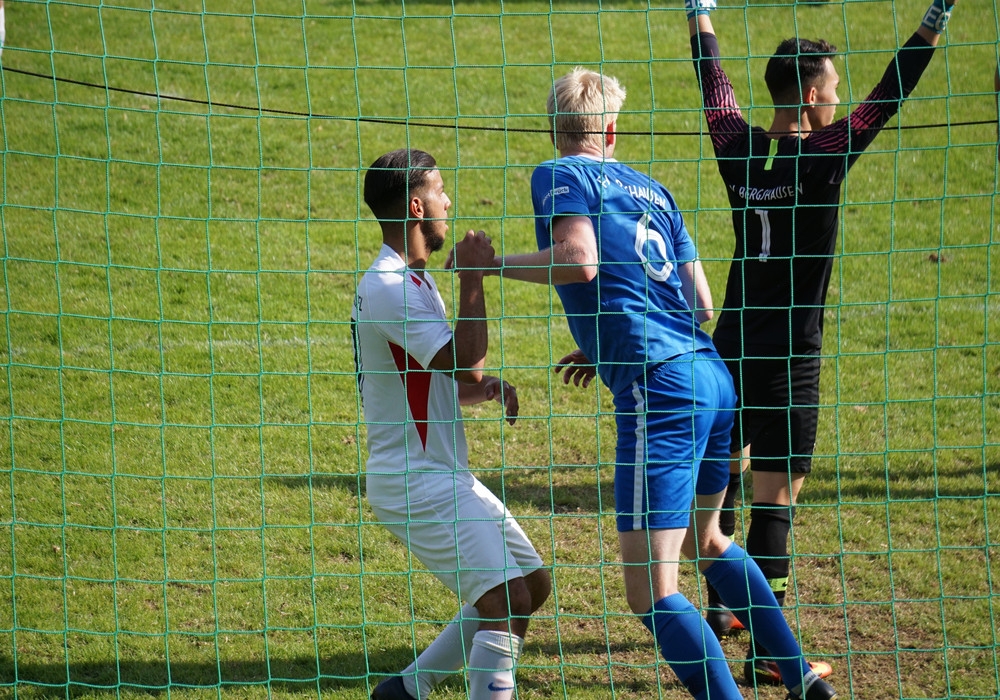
[796, 65]
[393, 179]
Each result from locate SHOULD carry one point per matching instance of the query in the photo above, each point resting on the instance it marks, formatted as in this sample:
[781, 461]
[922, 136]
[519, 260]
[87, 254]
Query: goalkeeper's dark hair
[393, 179]
[796, 65]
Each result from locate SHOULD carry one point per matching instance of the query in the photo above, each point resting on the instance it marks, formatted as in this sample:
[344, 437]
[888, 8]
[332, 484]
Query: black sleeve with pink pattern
[722, 112]
[852, 134]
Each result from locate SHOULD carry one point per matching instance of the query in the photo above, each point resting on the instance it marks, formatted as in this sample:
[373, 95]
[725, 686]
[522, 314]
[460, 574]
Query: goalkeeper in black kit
[784, 186]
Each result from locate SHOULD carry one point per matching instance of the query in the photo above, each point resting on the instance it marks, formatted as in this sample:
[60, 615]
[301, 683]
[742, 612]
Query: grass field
[181, 463]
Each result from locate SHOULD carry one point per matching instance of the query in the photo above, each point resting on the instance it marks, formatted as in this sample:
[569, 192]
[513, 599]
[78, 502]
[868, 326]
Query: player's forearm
[471, 336]
[927, 35]
[705, 52]
[555, 265]
[697, 293]
[472, 394]
[525, 267]
[697, 13]
[700, 24]
[904, 71]
[935, 20]
[722, 111]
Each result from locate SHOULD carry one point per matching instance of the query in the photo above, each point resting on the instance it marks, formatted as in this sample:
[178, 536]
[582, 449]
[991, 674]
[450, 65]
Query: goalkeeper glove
[699, 7]
[937, 15]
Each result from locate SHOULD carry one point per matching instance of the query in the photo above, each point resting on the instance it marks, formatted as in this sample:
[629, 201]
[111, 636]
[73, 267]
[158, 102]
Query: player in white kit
[414, 371]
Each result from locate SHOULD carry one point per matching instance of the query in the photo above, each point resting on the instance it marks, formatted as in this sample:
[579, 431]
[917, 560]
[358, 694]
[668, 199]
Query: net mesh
[182, 474]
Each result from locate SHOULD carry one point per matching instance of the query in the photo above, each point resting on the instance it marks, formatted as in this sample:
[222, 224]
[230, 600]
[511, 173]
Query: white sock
[491, 665]
[446, 654]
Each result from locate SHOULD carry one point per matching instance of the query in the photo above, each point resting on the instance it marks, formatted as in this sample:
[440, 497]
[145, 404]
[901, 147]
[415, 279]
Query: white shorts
[456, 527]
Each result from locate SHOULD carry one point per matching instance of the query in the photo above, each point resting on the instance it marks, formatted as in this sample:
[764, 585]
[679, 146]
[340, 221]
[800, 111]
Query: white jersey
[412, 414]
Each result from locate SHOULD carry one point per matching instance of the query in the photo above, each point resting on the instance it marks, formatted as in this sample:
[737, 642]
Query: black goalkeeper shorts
[779, 411]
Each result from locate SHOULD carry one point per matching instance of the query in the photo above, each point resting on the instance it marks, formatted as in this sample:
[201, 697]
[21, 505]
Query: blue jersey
[632, 315]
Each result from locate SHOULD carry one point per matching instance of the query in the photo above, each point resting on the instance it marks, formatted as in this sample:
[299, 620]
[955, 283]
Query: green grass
[181, 463]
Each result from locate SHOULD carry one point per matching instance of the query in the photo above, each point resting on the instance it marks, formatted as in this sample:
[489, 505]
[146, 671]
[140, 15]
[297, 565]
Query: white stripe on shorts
[638, 471]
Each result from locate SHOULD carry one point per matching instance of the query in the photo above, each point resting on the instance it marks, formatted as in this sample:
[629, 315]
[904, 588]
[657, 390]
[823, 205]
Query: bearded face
[433, 231]
[434, 225]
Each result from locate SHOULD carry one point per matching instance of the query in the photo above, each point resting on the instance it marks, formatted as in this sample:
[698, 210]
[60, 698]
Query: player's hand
[474, 254]
[937, 16]
[578, 369]
[495, 269]
[698, 7]
[504, 394]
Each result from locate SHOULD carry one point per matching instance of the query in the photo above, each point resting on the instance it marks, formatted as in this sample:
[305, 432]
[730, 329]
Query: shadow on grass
[528, 486]
[354, 484]
[579, 493]
[155, 677]
[917, 482]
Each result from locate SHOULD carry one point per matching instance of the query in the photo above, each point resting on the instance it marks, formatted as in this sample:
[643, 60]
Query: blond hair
[581, 105]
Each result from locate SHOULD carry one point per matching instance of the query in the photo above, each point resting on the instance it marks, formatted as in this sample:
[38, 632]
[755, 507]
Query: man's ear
[416, 208]
[610, 135]
[809, 96]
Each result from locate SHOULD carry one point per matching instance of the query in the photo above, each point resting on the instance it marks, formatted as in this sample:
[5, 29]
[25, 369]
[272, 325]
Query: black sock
[767, 543]
[727, 516]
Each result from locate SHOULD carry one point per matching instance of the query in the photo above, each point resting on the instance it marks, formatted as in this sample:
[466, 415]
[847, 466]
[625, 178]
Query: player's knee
[639, 602]
[539, 584]
[689, 547]
[711, 547]
[519, 598]
[512, 599]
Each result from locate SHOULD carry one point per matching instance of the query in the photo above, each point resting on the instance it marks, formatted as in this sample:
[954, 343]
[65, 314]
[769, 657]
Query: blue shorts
[674, 426]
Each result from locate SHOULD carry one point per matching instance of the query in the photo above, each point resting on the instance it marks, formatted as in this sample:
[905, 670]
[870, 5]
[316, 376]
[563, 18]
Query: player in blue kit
[614, 245]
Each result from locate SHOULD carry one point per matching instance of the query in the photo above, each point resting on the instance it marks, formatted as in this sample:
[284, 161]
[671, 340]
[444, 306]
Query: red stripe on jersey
[416, 280]
[417, 382]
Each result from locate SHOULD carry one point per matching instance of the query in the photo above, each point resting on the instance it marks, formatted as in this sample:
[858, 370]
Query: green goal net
[182, 488]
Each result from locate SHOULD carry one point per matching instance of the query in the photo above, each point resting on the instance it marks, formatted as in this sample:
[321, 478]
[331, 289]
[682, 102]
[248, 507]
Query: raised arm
[854, 133]
[722, 111]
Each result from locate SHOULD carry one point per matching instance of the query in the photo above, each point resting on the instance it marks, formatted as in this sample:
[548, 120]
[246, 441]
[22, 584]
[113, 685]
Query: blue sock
[746, 592]
[690, 647]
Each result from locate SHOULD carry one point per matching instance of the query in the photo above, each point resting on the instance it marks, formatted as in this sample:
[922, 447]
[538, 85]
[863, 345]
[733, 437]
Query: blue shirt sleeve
[556, 190]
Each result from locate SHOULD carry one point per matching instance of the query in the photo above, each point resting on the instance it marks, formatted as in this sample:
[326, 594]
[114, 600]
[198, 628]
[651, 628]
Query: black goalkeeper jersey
[785, 198]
